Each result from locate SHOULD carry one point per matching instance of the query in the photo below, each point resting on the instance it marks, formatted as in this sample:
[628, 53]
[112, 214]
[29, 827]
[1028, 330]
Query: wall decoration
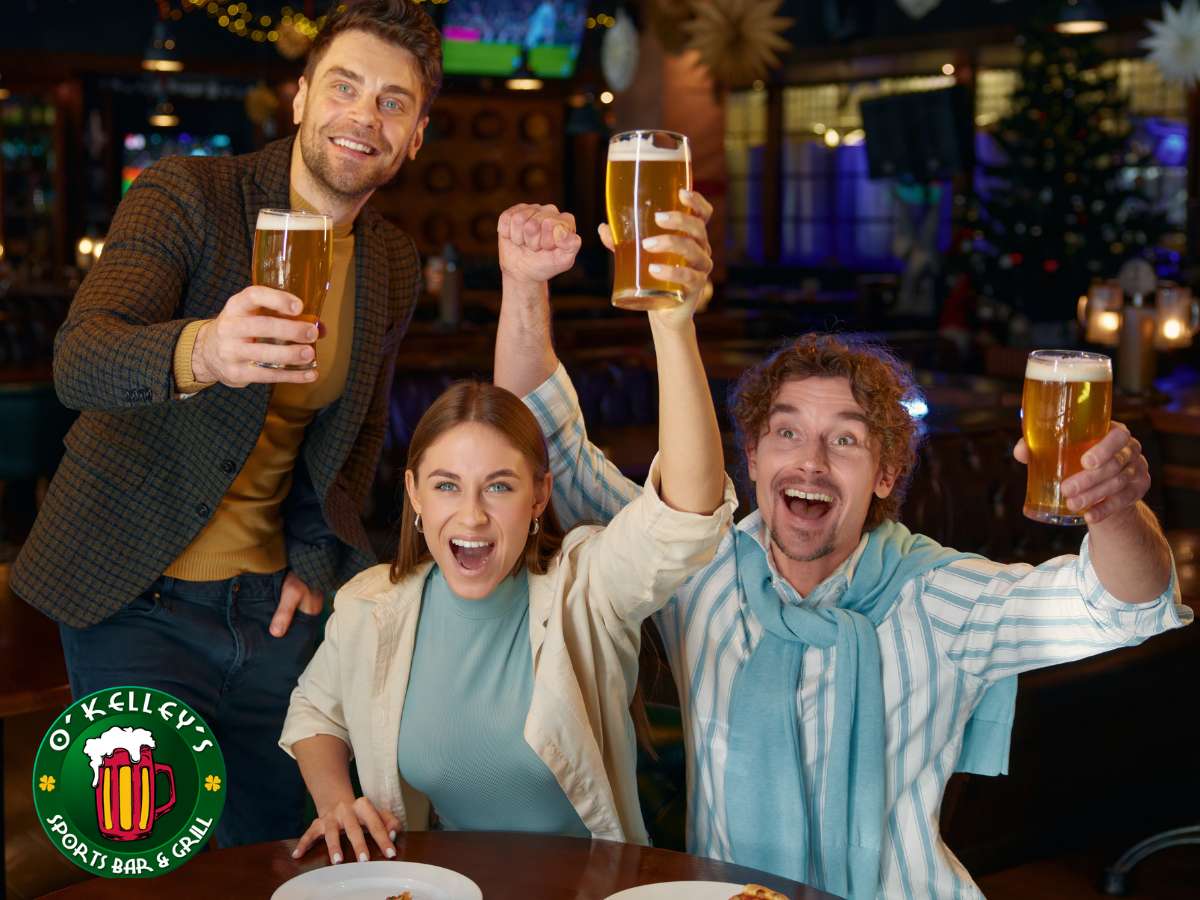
[738, 40]
[1174, 43]
[619, 53]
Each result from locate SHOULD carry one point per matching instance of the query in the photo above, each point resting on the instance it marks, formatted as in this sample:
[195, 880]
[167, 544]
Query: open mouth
[471, 556]
[811, 506]
[356, 148]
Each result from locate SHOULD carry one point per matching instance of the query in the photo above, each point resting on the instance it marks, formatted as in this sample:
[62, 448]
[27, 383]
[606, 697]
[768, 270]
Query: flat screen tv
[505, 37]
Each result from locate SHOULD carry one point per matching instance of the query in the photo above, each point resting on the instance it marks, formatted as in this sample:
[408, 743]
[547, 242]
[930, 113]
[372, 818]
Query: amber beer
[1065, 409]
[646, 170]
[293, 252]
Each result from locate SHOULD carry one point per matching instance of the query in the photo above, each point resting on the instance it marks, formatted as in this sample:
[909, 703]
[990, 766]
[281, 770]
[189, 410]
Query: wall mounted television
[508, 37]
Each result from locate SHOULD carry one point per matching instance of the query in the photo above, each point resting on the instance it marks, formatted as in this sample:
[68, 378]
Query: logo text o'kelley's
[129, 782]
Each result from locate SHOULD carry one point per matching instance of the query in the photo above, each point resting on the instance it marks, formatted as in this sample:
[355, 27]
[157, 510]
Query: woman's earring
[536, 527]
[417, 524]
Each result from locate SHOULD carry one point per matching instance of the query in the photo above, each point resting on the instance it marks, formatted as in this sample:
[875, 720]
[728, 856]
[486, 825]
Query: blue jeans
[206, 642]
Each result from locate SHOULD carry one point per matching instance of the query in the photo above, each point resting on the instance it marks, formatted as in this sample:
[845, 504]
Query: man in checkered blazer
[207, 504]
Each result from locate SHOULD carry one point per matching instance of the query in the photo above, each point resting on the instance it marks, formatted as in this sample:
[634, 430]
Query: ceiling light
[160, 52]
[1080, 17]
[163, 115]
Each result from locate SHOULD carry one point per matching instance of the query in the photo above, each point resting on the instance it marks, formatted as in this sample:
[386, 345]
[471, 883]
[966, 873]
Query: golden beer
[646, 170]
[293, 252]
[1065, 409]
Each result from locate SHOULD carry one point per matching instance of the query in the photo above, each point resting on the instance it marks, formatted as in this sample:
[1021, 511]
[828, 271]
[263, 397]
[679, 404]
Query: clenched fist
[537, 242]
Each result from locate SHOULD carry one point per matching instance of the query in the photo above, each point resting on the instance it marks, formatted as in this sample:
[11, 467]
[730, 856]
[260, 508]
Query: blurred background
[966, 180]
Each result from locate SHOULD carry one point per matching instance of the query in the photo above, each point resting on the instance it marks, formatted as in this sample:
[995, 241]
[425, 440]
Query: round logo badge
[129, 783]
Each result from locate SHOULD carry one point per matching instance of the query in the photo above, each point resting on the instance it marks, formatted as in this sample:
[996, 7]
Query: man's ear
[751, 451]
[410, 487]
[885, 481]
[418, 138]
[298, 101]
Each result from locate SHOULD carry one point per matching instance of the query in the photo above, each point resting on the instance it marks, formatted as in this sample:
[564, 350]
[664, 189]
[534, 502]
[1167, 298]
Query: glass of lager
[1065, 410]
[293, 252]
[646, 170]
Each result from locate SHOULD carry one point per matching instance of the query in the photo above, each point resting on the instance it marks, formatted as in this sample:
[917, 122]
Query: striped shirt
[953, 631]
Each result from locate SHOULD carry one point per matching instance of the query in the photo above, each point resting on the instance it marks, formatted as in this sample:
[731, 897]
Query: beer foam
[643, 149]
[273, 220]
[116, 738]
[1068, 368]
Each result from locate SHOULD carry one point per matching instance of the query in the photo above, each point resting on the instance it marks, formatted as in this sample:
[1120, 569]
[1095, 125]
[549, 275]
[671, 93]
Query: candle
[1100, 313]
[1178, 317]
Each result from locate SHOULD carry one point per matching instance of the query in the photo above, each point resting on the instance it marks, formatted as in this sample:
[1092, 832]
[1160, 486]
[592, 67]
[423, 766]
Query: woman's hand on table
[356, 818]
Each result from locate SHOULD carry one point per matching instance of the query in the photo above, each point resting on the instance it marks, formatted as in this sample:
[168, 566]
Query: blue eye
[499, 487]
[445, 486]
[392, 106]
[342, 88]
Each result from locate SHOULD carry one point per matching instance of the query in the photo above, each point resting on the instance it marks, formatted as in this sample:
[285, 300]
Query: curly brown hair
[879, 381]
[399, 22]
[477, 401]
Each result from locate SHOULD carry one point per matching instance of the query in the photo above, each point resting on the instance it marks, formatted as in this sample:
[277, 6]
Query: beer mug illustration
[124, 777]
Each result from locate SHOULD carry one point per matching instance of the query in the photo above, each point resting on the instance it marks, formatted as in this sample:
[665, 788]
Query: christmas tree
[1062, 206]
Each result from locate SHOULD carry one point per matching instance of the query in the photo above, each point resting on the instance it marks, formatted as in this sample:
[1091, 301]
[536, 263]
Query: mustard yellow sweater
[245, 534]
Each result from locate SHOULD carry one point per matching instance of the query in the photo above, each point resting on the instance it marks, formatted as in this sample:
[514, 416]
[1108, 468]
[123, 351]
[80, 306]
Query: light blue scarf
[766, 800]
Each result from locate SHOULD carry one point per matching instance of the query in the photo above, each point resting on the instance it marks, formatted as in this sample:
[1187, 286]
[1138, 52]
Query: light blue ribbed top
[461, 733]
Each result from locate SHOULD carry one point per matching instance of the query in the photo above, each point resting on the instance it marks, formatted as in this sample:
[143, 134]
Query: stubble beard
[316, 156]
[795, 555]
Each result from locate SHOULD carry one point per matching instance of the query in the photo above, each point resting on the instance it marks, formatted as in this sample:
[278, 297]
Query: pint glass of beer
[1065, 409]
[293, 252]
[646, 169]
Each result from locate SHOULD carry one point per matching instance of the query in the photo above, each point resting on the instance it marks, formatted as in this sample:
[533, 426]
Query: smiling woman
[489, 671]
[478, 492]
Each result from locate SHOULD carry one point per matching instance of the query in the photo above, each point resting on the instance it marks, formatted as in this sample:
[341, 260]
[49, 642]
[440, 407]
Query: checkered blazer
[143, 471]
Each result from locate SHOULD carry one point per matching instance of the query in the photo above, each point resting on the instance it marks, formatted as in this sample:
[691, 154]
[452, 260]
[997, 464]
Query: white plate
[378, 880]
[680, 890]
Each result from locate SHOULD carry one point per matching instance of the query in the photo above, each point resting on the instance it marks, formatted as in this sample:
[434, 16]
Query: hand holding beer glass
[1065, 410]
[293, 252]
[647, 171]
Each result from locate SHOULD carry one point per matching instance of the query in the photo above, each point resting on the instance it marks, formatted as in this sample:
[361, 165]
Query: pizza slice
[758, 892]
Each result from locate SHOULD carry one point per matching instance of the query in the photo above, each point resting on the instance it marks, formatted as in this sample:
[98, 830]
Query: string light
[241, 21]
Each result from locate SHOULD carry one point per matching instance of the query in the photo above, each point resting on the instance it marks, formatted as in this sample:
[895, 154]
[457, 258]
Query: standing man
[834, 669]
[206, 505]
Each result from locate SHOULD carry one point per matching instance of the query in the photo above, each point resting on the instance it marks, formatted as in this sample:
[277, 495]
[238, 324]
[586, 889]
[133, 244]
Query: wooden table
[505, 865]
[32, 673]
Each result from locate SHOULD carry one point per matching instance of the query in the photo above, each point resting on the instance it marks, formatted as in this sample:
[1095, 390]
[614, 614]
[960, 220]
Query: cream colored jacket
[585, 618]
